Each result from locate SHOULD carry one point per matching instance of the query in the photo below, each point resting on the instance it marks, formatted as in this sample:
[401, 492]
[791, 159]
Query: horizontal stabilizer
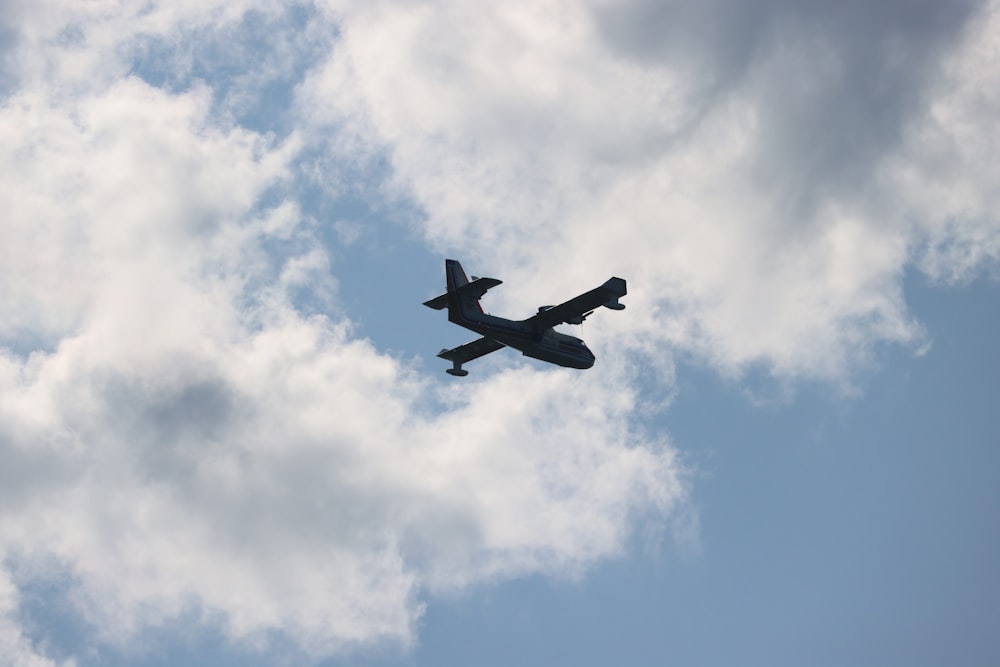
[474, 290]
[478, 287]
[438, 302]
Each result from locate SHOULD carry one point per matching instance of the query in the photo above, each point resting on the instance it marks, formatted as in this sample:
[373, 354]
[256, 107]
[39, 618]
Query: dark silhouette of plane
[534, 337]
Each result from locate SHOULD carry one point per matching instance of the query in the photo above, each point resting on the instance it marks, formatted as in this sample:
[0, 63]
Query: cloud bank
[765, 174]
[180, 437]
[181, 441]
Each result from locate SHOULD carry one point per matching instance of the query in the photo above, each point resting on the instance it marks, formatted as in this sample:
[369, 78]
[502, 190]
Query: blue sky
[225, 437]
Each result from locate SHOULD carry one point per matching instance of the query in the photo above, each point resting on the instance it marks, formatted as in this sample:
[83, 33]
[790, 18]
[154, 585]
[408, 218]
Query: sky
[225, 438]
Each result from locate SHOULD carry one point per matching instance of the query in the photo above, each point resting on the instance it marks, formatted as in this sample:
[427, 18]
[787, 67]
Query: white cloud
[123, 188]
[180, 439]
[74, 47]
[183, 443]
[287, 480]
[763, 196]
[15, 647]
[946, 176]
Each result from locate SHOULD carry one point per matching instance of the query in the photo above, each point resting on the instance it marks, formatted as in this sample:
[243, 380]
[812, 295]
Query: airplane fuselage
[546, 345]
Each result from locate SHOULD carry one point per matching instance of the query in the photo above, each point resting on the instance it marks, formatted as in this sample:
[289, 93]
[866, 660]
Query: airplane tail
[463, 302]
[462, 297]
[455, 275]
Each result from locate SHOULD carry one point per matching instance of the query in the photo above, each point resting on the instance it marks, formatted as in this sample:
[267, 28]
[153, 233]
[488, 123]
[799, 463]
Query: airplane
[534, 336]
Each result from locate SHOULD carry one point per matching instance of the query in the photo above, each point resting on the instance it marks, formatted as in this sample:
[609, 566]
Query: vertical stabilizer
[455, 274]
[463, 304]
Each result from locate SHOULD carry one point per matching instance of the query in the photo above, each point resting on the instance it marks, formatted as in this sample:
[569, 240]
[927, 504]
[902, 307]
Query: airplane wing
[576, 310]
[463, 353]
